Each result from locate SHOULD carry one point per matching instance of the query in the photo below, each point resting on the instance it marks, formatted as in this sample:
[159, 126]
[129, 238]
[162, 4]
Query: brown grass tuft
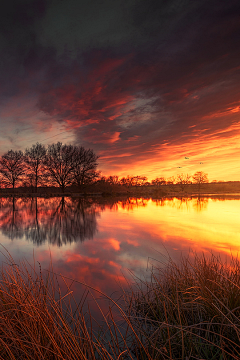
[189, 310]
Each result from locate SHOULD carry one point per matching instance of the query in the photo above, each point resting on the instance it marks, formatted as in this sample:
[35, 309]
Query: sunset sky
[142, 83]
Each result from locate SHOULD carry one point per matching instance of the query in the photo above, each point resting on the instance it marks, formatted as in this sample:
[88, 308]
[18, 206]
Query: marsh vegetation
[188, 310]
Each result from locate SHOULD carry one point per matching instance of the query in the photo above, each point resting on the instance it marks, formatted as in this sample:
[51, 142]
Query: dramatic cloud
[142, 83]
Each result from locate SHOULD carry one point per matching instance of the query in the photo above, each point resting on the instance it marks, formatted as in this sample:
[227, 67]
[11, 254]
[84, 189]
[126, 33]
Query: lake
[104, 241]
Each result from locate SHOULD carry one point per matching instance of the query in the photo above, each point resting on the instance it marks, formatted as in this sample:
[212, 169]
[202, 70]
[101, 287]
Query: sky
[153, 87]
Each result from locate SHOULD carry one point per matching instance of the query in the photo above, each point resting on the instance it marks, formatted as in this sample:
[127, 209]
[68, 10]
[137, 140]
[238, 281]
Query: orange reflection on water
[202, 224]
[98, 241]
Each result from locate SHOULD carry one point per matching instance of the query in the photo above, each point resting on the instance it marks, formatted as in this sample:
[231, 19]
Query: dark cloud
[125, 76]
[17, 41]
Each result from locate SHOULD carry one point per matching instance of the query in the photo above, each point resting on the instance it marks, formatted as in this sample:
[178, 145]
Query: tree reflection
[64, 220]
[200, 204]
[11, 219]
[57, 221]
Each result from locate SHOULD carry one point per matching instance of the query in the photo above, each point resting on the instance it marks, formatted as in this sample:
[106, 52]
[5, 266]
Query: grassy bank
[189, 310]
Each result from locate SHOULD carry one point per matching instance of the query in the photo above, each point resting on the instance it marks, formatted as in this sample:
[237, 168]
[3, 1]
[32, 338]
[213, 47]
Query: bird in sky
[179, 167]
[201, 162]
[186, 157]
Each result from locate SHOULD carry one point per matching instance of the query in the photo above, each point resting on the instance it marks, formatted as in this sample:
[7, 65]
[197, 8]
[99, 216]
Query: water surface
[103, 242]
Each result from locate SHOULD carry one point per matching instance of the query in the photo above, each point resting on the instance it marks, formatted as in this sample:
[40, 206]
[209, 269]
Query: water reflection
[131, 233]
[65, 220]
[56, 221]
[198, 203]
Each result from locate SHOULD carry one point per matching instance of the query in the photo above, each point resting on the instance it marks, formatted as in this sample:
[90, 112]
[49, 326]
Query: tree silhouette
[84, 166]
[159, 181]
[171, 180]
[112, 180]
[59, 164]
[34, 158]
[133, 180]
[139, 180]
[200, 178]
[12, 167]
[183, 180]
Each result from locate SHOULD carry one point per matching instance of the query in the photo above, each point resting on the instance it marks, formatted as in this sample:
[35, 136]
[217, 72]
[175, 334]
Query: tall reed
[39, 321]
[188, 310]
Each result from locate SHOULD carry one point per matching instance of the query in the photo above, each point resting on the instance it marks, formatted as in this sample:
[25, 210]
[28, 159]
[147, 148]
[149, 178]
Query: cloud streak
[134, 81]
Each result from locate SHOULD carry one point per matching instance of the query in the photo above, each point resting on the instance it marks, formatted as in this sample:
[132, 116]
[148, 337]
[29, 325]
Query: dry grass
[191, 310]
[187, 311]
[37, 321]
[34, 323]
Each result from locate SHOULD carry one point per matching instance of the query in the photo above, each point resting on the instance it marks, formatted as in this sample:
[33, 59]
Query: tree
[84, 166]
[171, 180]
[127, 181]
[12, 167]
[101, 179]
[113, 180]
[58, 163]
[159, 181]
[183, 180]
[34, 158]
[200, 178]
[133, 180]
[139, 180]
[123, 181]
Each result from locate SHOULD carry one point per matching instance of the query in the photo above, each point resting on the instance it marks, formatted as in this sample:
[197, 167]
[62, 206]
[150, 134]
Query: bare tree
[139, 180]
[123, 181]
[12, 167]
[85, 165]
[171, 180]
[127, 181]
[113, 180]
[200, 178]
[159, 181]
[34, 158]
[59, 163]
[183, 180]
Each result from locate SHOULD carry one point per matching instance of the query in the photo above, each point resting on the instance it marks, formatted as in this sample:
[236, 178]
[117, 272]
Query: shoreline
[123, 194]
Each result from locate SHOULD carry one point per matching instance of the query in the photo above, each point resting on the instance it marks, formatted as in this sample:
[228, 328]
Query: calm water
[101, 242]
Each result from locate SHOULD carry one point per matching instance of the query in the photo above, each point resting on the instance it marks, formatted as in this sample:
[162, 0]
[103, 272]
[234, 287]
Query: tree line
[198, 178]
[63, 165]
[56, 165]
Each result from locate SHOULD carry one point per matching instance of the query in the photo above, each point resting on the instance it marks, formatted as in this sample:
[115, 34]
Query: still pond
[104, 242]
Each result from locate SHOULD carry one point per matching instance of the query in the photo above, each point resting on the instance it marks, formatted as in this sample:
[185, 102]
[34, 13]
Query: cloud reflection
[132, 234]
